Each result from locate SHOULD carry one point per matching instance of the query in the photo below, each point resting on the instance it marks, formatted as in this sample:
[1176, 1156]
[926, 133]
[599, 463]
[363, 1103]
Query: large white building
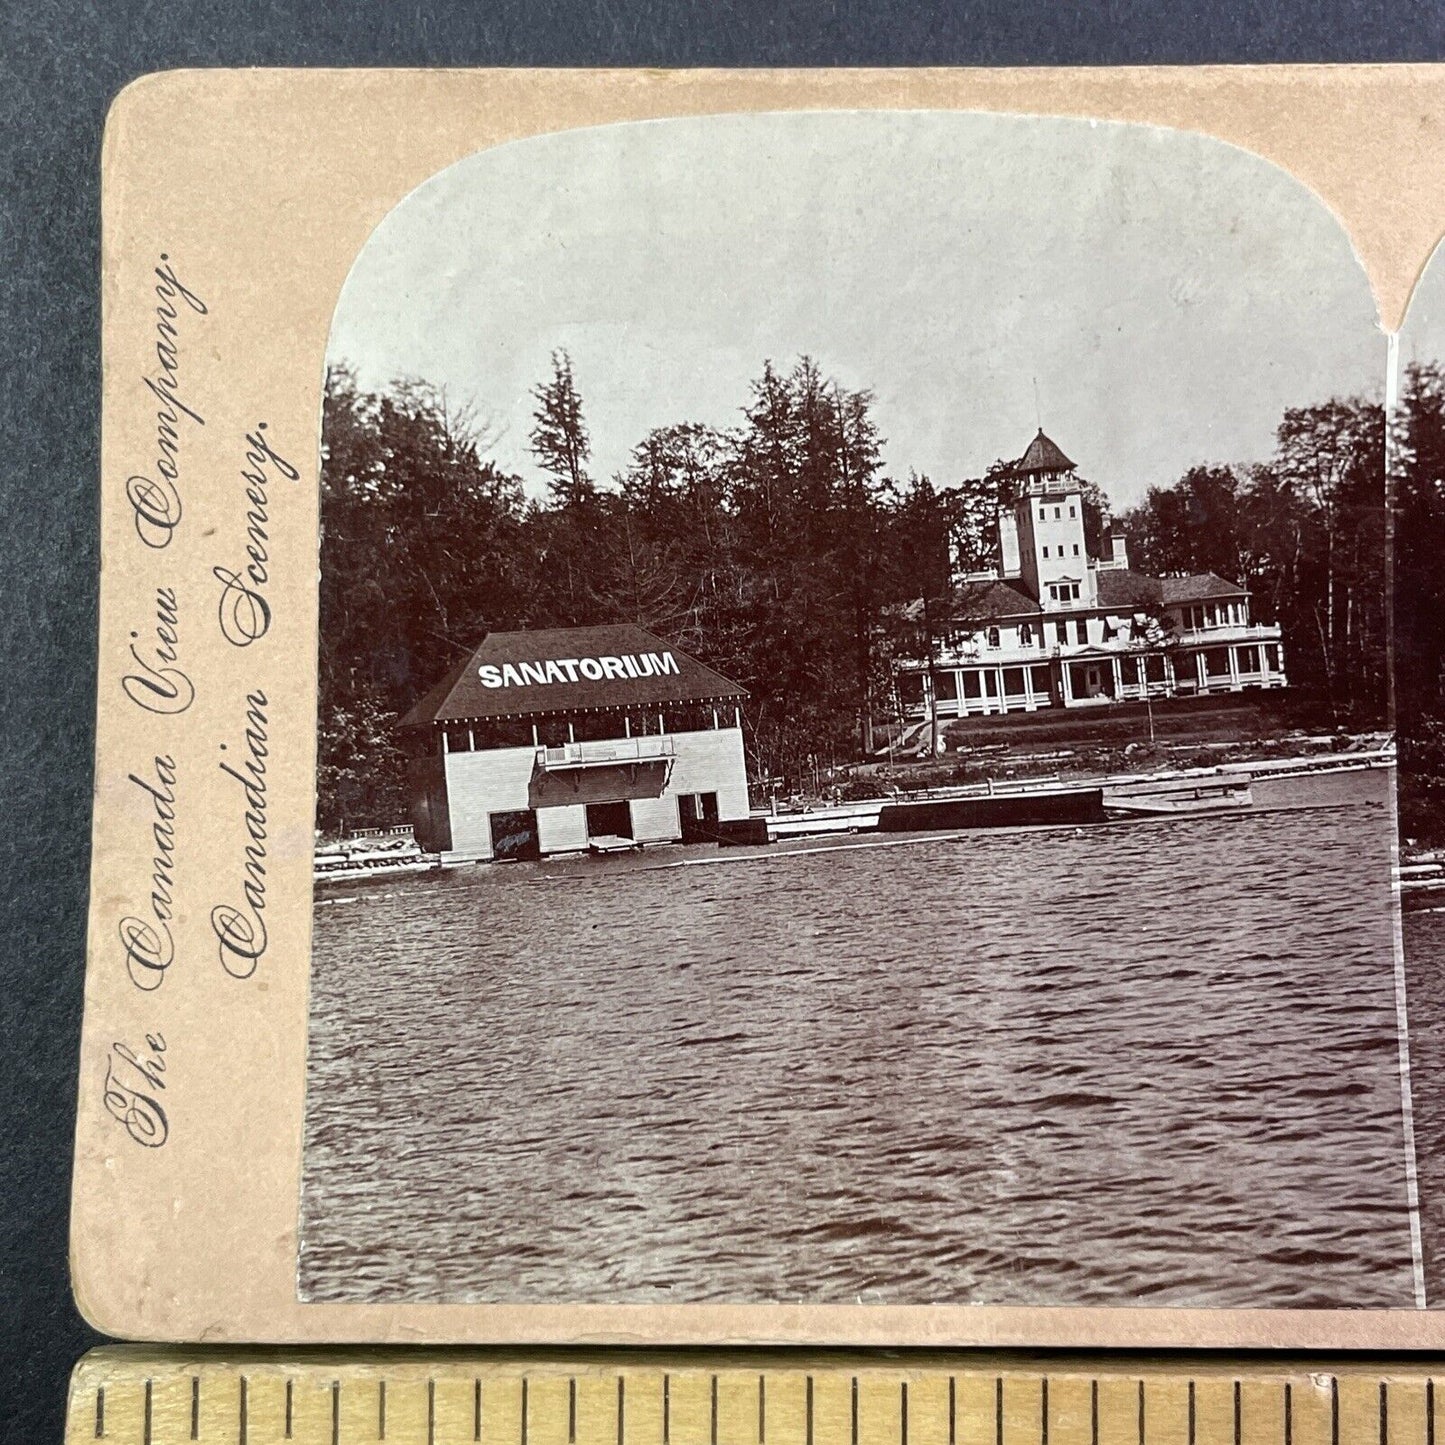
[1052, 627]
[562, 740]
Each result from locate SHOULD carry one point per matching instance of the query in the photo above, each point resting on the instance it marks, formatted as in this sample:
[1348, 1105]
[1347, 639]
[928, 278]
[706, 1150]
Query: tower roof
[1043, 455]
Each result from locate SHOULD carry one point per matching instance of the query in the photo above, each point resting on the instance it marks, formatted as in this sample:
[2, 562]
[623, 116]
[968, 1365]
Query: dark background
[61, 62]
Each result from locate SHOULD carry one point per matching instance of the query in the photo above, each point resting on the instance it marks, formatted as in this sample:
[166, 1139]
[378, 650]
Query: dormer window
[993, 637]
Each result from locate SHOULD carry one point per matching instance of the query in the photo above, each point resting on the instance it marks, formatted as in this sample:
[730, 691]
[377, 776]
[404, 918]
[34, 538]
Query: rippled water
[1142, 1063]
[1424, 935]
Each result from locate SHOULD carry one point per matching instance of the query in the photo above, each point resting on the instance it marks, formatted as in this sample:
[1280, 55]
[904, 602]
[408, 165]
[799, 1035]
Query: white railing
[1233, 632]
[648, 749]
[1051, 487]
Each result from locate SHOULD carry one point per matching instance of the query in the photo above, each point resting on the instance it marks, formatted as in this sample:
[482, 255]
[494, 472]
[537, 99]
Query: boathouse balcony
[652, 748]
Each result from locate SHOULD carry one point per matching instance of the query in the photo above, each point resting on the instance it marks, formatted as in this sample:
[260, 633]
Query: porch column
[1170, 681]
[1234, 668]
[1065, 683]
[1029, 703]
[1199, 674]
[1002, 696]
[1118, 670]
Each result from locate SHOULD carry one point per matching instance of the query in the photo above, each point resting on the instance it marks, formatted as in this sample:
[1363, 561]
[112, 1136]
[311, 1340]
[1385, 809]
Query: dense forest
[1306, 533]
[1417, 465]
[778, 551]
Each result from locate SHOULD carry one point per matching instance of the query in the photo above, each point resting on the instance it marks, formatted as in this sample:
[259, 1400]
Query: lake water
[1151, 1063]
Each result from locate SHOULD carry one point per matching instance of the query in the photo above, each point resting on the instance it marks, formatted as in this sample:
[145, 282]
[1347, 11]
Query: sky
[1422, 337]
[1154, 299]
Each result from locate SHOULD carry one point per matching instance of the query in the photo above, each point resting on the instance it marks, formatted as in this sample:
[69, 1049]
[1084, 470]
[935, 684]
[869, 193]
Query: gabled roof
[1200, 587]
[569, 669]
[1042, 455]
[972, 601]
[1119, 587]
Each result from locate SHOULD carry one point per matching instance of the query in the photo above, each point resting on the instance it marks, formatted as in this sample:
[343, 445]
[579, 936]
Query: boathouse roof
[568, 670]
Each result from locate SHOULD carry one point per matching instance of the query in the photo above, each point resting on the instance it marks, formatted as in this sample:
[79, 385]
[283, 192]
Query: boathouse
[1050, 626]
[565, 739]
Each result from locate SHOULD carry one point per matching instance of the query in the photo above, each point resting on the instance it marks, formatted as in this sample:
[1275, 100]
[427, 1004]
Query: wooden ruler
[143, 1395]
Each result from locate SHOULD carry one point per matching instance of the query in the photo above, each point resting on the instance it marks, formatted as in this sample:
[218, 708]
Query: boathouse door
[514, 834]
[609, 820]
[698, 815]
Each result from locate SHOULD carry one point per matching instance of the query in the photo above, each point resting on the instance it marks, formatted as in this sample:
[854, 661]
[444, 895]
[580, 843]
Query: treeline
[1417, 466]
[770, 550]
[1305, 532]
[778, 551]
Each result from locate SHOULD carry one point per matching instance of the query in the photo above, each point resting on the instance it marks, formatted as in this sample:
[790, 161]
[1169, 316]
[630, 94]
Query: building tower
[1048, 530]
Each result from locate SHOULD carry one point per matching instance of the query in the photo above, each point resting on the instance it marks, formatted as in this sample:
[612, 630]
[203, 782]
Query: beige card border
[262, 186]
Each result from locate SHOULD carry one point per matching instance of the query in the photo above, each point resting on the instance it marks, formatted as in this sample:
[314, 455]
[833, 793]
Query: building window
[1013, 683]
[1026, 634]
[1076, 548]
[1062, 629]
[993, 637]
[1081, 626]
[1041, 514]
[1046, 552]
[1058, 512]
[1071, 513]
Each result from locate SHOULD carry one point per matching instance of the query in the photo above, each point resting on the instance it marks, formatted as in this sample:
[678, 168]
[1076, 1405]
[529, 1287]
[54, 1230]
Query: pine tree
[559, 437]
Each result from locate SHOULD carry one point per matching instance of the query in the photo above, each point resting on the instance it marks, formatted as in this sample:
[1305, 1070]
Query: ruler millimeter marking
[142, 1396]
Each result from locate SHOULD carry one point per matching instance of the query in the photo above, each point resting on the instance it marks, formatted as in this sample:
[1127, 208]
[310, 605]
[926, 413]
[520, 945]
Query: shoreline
[394, 854]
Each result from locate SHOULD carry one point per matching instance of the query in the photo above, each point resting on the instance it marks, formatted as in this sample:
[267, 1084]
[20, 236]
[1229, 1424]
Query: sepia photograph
[1417, 482]
[855, 746]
